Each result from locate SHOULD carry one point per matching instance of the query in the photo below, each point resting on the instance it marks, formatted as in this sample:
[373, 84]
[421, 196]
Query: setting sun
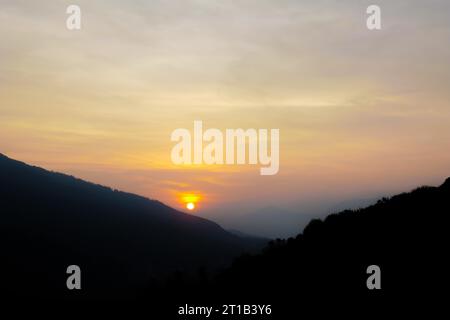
[189, 200]
[190, 206]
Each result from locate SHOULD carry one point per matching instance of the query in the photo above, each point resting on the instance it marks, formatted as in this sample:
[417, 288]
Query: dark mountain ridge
[405, 235]
[120, 240]
[326, 266]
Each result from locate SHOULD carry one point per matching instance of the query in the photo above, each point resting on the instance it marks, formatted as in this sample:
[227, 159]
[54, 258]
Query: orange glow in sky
[190, 200]
[354, 123]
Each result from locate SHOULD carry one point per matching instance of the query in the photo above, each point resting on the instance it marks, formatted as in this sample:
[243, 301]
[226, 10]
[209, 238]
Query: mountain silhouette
[119, 240]
[326, 265]
[124, 244]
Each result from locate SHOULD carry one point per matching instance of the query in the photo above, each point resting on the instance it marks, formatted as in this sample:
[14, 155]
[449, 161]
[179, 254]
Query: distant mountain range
[121, 241]
[278, 222]
[271, 222]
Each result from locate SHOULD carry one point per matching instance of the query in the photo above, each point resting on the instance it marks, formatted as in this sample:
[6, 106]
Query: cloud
[348, 102]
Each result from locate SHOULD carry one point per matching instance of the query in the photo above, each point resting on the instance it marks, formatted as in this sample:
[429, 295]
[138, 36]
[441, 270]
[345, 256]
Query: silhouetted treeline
[406, 236]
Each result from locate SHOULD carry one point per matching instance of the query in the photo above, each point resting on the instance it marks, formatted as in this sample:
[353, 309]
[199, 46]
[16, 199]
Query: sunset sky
[361, 113]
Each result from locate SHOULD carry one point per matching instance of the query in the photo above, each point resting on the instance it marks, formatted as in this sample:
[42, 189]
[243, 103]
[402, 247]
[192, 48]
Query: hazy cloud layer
[360, 112]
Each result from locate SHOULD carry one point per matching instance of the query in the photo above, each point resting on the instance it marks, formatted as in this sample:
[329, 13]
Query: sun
[190, 206]
[189, 200]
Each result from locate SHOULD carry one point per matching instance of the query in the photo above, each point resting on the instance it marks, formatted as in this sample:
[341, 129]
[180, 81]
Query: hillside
[120, 240]
[406, 236]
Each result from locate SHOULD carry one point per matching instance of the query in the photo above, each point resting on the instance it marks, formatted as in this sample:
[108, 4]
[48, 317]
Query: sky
[361, 113]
